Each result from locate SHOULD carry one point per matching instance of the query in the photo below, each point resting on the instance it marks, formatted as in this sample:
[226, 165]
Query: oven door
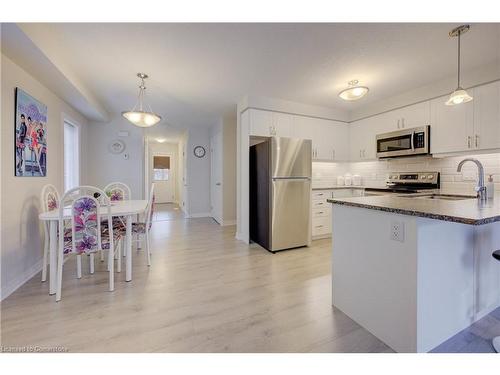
[403, 143]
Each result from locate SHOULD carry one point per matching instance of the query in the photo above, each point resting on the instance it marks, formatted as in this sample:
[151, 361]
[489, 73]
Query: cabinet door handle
[403, 123]
[360, 154]
[468, 141]
[398, 123]
[477, 141]
[333, 154]
[319, 226]
[320, 212]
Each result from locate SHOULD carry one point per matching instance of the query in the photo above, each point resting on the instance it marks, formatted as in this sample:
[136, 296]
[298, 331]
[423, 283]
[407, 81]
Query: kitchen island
[415, 270]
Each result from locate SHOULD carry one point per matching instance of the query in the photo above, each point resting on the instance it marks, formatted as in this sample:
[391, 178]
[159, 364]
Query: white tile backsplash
[374, 173]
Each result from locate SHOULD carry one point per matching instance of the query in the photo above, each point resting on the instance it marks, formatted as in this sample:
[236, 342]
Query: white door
[216, 177]
[163, 174]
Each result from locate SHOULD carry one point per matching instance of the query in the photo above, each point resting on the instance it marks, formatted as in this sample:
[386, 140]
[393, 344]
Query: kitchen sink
[448, 197]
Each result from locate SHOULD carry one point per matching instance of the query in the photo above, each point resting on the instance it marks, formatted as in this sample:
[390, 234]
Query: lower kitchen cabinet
[322, 210]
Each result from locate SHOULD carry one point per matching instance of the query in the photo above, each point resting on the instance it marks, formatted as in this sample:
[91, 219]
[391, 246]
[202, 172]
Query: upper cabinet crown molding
[469, 127]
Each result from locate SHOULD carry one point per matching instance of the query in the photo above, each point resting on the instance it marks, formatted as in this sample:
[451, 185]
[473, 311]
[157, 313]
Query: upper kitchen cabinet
[330, 139]
[269, 123]
[452, 127]
[362, 135]
[487, 116]
[407, 117]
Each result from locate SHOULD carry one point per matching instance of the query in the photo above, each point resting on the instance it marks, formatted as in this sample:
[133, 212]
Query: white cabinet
[362, 135]
[322, 210]
[269, 123]
[452, 127]
[407, 117]
[472, 126]
[330, 139]
[487, 116]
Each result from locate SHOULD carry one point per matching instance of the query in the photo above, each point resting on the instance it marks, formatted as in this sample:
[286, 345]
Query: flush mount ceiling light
[354, 92]
[140, 117]
[459, 95]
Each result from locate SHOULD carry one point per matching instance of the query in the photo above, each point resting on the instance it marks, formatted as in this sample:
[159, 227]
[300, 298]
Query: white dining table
[126, 208]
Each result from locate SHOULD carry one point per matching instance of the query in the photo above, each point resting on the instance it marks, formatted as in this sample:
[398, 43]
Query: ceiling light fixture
[354, 92]
[140, 117]
[459, 95]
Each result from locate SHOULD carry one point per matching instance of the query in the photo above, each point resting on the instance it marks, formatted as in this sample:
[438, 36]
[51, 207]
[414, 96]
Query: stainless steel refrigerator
[280, 193]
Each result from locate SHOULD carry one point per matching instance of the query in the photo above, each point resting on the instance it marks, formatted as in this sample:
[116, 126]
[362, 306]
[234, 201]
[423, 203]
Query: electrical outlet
[398, 231]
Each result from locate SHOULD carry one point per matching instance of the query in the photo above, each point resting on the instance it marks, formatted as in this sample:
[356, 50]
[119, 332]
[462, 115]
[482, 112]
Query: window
[161, 168]
[71, 156]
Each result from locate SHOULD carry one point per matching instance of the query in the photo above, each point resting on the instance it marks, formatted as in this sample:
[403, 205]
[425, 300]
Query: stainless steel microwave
[407, 142]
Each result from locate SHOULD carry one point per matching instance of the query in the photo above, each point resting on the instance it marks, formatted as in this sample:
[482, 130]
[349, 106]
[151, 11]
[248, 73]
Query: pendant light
[140, 117]
[354, 92]
[459, 95]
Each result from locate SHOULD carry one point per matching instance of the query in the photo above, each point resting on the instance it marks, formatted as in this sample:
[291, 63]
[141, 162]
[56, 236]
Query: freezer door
[291, 157]
[290, 213]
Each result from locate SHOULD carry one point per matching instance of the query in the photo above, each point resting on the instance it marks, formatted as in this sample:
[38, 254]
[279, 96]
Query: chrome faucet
[480, 188]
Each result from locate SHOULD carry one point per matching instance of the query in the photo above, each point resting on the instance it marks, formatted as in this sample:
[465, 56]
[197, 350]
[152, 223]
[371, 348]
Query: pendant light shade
[140, 117]
[459, 96]
[354, 92]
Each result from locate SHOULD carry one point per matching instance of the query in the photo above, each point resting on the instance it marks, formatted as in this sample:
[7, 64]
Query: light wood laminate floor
[205, 292]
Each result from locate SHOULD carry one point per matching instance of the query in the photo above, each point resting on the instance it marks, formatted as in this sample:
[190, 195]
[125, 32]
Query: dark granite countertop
[467, 211]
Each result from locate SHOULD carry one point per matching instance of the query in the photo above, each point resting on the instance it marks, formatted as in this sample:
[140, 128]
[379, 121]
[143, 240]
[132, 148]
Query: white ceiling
[200, 71]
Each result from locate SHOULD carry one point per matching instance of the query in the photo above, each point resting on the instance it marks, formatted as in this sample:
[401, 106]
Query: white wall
[198, 173]
[21, 235]
[181, 181]
[105, 167]
[229, 169]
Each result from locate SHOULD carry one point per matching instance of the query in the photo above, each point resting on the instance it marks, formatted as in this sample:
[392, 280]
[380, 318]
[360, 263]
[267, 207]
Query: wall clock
[116, 146]
[199, 151]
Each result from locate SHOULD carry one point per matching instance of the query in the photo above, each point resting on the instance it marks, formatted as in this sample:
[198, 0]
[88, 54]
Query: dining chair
[117, 191]
[143, 228]
[88, 234]
[49, 201]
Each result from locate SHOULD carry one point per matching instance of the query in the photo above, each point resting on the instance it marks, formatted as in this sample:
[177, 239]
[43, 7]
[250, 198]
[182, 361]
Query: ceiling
[199, 72]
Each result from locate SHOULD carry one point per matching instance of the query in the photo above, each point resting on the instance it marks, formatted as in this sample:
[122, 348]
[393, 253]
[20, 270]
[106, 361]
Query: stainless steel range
[409, 183]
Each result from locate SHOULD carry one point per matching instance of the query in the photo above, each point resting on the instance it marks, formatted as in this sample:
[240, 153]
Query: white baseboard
[228, 222]
[11, 287]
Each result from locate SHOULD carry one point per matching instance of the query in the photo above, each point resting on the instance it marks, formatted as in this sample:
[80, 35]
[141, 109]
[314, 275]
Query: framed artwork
[30, 136]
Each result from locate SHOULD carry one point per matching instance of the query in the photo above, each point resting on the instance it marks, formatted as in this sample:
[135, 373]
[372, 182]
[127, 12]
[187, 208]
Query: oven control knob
[430, 177]
[423, 177]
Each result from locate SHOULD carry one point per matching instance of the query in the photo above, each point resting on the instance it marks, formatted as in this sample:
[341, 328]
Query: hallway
[168, 211]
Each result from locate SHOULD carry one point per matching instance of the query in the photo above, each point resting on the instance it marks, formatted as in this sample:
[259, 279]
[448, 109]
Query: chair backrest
[150, 208]
[117, 191]
[85, 218]
[49, 198]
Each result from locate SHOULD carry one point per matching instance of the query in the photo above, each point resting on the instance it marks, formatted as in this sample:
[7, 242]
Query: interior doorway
[216, 177]
[163, 174]
[162, 169]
